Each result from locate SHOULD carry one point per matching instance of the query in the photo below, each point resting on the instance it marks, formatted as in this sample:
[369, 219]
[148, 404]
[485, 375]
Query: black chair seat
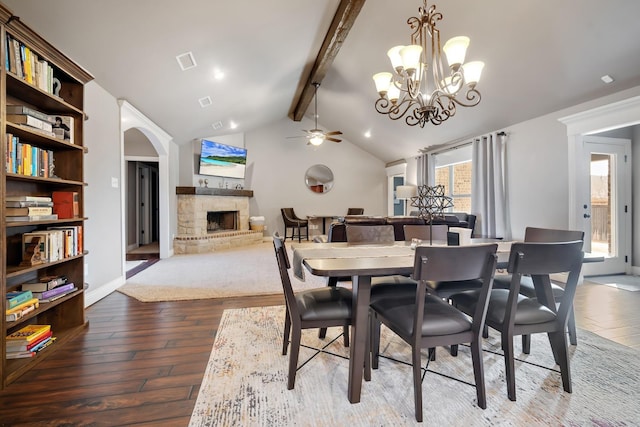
[324, 303]
[528, 311]
[440, 318]
[502, 281]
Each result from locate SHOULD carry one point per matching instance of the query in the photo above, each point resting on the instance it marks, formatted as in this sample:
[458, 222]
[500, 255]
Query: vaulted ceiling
[540, 56]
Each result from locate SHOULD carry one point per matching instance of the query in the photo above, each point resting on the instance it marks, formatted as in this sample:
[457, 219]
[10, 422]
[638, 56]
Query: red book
[66, 204]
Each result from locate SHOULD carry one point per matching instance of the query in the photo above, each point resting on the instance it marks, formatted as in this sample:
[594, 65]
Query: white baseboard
[92, 296]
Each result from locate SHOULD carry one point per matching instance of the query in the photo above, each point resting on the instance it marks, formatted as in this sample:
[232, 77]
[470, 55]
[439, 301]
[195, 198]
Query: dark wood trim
[205, 191]
[343, 20]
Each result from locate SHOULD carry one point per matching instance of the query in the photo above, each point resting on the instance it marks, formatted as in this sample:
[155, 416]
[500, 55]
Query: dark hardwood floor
[142, 363]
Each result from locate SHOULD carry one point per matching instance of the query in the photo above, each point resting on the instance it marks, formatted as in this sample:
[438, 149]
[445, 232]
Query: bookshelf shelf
[27, 80]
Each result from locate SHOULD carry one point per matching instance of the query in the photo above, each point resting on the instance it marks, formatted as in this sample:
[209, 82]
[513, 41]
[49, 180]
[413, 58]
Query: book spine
[18, 299]
[32, 301]
[55, 291]
[20, 314]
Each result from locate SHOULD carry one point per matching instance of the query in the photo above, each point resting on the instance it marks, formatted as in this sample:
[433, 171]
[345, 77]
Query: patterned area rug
[246, 383]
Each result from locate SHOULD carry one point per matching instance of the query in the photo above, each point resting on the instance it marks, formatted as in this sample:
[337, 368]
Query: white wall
[102, 202]
[277, 165]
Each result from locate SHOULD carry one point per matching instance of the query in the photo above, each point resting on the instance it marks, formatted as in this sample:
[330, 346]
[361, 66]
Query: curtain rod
[454, 145]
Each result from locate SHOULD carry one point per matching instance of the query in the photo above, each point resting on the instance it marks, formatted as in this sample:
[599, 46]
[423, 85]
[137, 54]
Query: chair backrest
[456, 263]
[399, 222]
[425, 232]
[355, 211]
[534, 234]
[287, 216]
[283, 267]
[539, 260]
[370, 234]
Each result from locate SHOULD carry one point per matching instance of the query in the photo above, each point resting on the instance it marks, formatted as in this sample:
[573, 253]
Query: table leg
[360, 318]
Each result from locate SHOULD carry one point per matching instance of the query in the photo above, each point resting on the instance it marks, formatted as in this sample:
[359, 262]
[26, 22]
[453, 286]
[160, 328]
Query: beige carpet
[245, 383]
[248, 270]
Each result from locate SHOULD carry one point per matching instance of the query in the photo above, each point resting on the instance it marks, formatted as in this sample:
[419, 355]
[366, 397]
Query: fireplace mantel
[205, 191]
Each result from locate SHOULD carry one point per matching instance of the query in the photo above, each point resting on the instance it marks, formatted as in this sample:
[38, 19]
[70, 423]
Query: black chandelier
[419, 88]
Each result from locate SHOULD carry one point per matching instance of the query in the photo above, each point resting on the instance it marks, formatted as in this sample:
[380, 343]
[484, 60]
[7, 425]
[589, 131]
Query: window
[454, 170]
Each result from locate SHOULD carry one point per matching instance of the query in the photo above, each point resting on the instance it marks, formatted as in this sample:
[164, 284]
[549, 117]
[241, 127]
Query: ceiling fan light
[382, 81]
[396, 59]
[472, 72]
[316, 140]
[456, 49]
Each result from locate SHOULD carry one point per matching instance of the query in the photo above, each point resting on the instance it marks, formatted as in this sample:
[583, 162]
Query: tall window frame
[454, 170]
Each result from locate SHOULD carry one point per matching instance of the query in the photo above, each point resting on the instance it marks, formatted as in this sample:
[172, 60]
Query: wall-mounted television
[222, 160]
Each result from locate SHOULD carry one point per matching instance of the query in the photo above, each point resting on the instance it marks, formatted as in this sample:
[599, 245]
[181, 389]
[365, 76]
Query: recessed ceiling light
[367, 134]
[217, 125]
[607, 79]
[233, 124]
[205, 101]
[218, 74]
[186, 61]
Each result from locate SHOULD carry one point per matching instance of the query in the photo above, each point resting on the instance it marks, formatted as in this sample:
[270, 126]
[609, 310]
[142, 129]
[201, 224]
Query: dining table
[362, 262]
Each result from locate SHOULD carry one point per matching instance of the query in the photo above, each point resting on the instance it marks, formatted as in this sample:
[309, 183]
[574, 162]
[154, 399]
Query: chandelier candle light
[419, 87]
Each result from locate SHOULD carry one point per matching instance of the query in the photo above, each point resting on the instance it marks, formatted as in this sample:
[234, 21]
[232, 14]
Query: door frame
[612, 116]
[622, 262]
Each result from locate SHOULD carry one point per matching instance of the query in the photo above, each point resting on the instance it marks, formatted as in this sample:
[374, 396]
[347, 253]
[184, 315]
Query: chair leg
[432, 354]
[571, 326]
[417, 382]
[367, 358]
[526, 344]
[454, 350]
[478, 372]
[287, 331]
[485, 331]
[322, 333]
[558, 342]
[509, 364]
[293, 357]
[374, 330]
[345, 335]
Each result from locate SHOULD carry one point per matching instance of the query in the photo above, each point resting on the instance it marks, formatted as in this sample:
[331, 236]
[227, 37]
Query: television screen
[222, 160]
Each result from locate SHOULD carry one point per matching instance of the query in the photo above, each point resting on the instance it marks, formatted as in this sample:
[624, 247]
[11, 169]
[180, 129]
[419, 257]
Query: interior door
[144, 207]
[606, 203]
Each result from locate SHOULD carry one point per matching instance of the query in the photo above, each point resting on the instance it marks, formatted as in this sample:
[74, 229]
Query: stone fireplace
[211, 219]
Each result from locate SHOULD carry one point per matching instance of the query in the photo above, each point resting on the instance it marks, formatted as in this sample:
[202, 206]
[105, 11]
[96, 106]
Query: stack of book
[20, 303]
[49, 289]
[28, 341]
[29, 208]
[32, 119]
[23, 158]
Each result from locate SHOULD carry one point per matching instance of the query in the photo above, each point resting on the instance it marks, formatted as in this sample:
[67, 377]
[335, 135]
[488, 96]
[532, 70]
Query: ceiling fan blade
[335, 132]
[296, 137]
[332, 139]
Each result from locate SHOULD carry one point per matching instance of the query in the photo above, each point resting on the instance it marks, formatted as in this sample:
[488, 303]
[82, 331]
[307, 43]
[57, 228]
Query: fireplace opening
[222, 221]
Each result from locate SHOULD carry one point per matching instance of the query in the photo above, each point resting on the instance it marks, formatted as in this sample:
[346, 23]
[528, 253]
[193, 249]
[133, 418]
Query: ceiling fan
[317, 136]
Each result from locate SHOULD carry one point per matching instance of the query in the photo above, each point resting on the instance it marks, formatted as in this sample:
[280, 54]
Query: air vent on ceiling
[186, 61]
[217, 125]
[205, 102]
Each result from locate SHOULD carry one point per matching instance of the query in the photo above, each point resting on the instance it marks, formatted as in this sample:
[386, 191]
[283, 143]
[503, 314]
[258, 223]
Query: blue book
[16, 298]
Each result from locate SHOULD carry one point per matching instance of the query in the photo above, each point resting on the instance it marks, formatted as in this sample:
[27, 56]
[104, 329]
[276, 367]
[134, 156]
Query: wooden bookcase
[65, 315]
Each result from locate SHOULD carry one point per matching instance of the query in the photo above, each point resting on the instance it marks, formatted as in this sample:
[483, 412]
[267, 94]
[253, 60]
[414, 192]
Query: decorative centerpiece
[431, 202]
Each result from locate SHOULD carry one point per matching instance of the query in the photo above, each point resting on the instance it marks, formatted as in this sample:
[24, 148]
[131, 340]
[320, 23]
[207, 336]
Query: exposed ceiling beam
[343, 20]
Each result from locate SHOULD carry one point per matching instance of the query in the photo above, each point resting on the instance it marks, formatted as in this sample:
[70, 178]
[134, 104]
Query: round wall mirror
[319, 179]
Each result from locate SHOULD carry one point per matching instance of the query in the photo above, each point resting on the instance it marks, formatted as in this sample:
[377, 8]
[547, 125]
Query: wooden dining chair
[313, 308]
[426, 232]
[513, 313]
[426, 321]
[535, 234]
